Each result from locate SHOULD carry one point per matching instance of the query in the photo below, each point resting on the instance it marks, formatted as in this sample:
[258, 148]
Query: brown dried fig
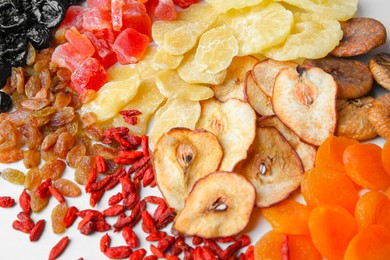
[353, 77]
[353, 118]
[379, 115]
[380, 69]
[360, 35]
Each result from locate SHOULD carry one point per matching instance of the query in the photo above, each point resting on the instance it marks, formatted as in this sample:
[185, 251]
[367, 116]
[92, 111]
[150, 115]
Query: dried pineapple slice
[234, 123]
[164, 60]
[172, 86]
[160, 28]
[112, 97]
[147, 100]
[197, 12]
[259, 27]
[216, 49]
[341, 10]
[312, 37]
[175, 113]
[225, 5]
[191, 72]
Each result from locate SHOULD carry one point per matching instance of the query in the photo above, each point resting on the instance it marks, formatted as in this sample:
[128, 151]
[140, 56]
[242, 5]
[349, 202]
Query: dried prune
[49, 13]
[5, 71]
[15, 49]
[5, 102]
[39, 36]
[12, 20]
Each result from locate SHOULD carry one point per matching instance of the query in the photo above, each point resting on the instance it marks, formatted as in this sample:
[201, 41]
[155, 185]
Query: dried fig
[353, 77]
[380, 69]
[379, 115]
[360, 35]
[353, 118]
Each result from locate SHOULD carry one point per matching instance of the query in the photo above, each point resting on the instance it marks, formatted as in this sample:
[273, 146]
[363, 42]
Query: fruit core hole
[218, 125]
[262, 168]
[219, 205]
[185, 155]
[305, 91]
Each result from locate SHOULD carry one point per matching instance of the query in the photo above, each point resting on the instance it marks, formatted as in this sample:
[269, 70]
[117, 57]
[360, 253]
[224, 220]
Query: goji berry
[96, 215]
[213, 246]
[25, 217]
[119, 173]
[127, 186]
[131, 112]
[59, 248]
[156, 236]
[105, 242]
[115, 199]
[250, 253]
[159, 211]
[113, 211]
[70, 216]
[122, 141]
[56, 194]
[100, 164]
[124, 161]
[24, 227]
[225, 239]
[100, 185]
[145, 145]
[148, 225]
[84, 221]
[198, 253]
[138, 164]
[88, 228]
[231, 250]
[172, 257]
[131, 200]
[37, 230]
[166, 217]
[164, 243]
[130, 237]
[197, 240]
[25, 201]
[138, 254]
[101, 226]
[43, 189]
[139, 174]
[131, 120]
[92, 177]
[109, 133]
[207, 253]
[155, 251]
[96, 196]
[178, 246]
[150, 257]
[245, 240]
[148, 177]
[134, 140]
[185, 3]
[118, 252]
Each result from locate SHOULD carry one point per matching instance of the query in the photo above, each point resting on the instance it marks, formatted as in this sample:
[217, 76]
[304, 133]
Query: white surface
[15, 245]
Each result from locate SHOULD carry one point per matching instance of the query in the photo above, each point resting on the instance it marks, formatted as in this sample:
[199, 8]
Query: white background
[15, 245]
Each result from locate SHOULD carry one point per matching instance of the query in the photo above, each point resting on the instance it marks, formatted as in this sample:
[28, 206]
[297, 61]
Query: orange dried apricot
[373, 208]
[277, 246]
[363, 164]
[331, 228]
[386, 156]
[372, 242]
[288, 217]
[330, 152]
[327, 186]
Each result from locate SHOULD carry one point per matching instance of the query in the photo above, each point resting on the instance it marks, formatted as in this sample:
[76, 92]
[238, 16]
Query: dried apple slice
[304, 99]
[305, 151]
[234, 83]
[272, 166]
[219, 205]
[256, 97]
[234, 123]
[265, 72]
[180, 158]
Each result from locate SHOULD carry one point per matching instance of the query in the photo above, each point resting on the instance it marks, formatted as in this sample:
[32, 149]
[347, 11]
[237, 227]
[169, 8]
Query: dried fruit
[59, 248]
[13, 176]
[372, 209]
[379, 115]
[360, 35]
[256, 97]
[67, 188]
[57, 218]
[219, 205]
[272, 166]
[379, 66]
[180, 155]
[305, 100]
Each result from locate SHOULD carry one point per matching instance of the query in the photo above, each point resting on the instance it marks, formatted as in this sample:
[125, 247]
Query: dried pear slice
[234, 123]
[306, 152]
[219, 205]
[353, 77]
[353, 120]
[380, 68]
[234, 83]
[304, 99]
[181, 157]
[272, 166]
[379, 115]
[256, 97]
[265, 72]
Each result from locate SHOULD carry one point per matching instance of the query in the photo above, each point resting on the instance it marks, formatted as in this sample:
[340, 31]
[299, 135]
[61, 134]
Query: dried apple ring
[360, 35]
[380, 69]
[353, 77]
[353, 119]
[379, 115]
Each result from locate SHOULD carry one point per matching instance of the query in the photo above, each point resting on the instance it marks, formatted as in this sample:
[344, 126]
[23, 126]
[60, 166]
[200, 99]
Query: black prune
[5, 72]
[49, 13]
[5, 102]
[14, 50]
[11, 20]
[39, 36]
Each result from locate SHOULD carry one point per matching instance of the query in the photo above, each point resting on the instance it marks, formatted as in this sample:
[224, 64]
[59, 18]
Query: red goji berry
[245, 240]
[92, 177]
[130, 154]
[70, 216]
[241, 256]
[213, 246]
[119, 173]
[118, 252]
[145, 145]
[154, 200]
[139, 174]
[95, 197]
[159, 211]
[100, 164]
[37, 230]
[139, 163]
[115, 199]
[25, 217]
[150, 257]
[130, 237]
[25, 201]
[84, 221]
[156, 236]
[148, 177]
[250, 253]
[43, 189]
[164, 243]
[113, 211]
[166, 217]
[101, 226]
[56, 194]
[124, 161]
[225, 239]
[138, 254]
[96, 215]
[188, 253]
[100, 185]
[207, 253]
[197, 240]
[24, 227]
[105, 242]
[122, 141]
[198, 253]
[132, 120]
[59, 248]
[185, 3]
[148, 225]
[127, 186]
[231, 250]
[178, 246]
[109, 133]
[153, 183]
[155, 251]
[131, 112]
[131, 200]
[133, 139]
[88, 228]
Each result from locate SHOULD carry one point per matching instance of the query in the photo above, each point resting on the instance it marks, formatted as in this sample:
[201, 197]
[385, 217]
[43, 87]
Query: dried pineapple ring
[197, 12]
[172, 86]
[312, 37]
[160, 28]
[216, 49]
[330, 9]
[147, 100]
[379, 115]
[225, 5]
[164, 60]
[175, 113]
[259, 27]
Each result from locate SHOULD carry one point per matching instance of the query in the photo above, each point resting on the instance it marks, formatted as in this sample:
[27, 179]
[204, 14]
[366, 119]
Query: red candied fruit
[65, 55]
[136, 16]
[116, 14]
[89, 75]
[130, 46]
[74, 17]
[162, 9]
[185, 3]
[80, 42]
[101, 4]
[98, 22]
[104, 53]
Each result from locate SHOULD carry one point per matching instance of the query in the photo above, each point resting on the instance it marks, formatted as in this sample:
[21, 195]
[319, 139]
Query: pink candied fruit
[99, 23]
[89, 75]
[104, 53]
[130, 46]
[163, 9]
[100, 4]
[65, 55]
[74, 17]
[80, 42]
[116, 14]
[136, 16]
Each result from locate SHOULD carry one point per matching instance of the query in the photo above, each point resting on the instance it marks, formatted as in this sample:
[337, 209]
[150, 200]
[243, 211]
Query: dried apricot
[270, 246]
[331, 228]
[386, 156]
[372, 242]
[302, 247]
[363, 164]
[373, 208]
[330, 152]
[288, 217]
[327, 186]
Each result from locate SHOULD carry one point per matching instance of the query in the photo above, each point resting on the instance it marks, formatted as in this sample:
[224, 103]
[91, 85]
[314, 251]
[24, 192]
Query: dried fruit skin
[331, 228]
[363, 163]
